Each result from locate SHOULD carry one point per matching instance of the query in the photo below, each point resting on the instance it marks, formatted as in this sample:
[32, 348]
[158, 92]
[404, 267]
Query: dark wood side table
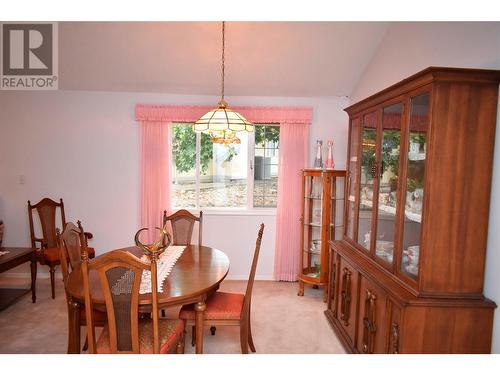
[15, 257]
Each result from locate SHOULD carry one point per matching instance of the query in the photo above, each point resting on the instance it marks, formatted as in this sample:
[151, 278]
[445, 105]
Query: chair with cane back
[120, 275]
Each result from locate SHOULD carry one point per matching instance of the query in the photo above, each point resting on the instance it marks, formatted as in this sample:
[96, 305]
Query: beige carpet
[282, 322]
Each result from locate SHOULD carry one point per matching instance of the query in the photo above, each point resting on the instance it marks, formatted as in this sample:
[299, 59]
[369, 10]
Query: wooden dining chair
[182, 223]
[47, 252]
[229, 309]
[120, 274]
[72, 243]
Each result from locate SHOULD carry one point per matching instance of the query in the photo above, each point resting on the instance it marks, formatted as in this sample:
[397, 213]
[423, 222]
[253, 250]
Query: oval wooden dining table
[195, 276]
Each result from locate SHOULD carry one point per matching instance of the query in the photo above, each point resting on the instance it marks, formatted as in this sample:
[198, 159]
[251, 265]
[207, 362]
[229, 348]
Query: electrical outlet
[22, 179]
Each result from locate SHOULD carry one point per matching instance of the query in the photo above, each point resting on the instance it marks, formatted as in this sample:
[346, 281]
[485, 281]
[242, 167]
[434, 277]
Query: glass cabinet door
[313, 199]
[368, 172]
[388, 181]
[352, 178]
[415, 173]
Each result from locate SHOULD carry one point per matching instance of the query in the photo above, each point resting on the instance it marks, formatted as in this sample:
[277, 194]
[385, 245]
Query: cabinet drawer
[373, 320]
[347, 298]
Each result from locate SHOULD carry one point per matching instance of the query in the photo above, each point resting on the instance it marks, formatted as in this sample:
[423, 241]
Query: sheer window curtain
[155, 174]
[294, 141]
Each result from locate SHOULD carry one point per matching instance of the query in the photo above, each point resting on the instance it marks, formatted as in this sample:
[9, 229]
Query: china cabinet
[407, 275]
[322, 220]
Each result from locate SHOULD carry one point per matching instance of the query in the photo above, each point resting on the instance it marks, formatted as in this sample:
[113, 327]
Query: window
[206, 174]
[265, 187]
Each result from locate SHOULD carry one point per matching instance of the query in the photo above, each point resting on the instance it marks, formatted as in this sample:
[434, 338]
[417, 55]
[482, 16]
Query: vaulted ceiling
[262, 58]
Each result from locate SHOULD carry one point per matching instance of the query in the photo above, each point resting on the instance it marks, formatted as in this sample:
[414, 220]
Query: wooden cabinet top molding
[425, 77]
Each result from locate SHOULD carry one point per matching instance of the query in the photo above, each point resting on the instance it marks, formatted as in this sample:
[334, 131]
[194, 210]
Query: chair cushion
[51, 255]
[220, 306]
[170, 330]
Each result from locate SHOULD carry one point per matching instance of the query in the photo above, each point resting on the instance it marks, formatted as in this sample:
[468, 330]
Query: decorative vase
[157, 247]
[330, 164]
[318, 162]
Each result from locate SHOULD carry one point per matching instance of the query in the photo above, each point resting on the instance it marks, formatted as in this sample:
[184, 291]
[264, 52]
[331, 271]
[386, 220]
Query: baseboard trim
[245, 277]
[27, 275]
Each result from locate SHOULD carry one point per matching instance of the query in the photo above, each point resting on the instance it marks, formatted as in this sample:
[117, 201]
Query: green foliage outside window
[184, 146]
[184, 149]
[266, 133]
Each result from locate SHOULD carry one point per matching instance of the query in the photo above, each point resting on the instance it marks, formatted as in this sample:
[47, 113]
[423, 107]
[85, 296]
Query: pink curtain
[294, 140]
[155, 174]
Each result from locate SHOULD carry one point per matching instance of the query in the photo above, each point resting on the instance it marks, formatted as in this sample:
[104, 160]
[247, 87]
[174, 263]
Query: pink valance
[262, 115]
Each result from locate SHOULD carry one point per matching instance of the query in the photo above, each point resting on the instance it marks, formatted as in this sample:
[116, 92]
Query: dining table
[195, 276]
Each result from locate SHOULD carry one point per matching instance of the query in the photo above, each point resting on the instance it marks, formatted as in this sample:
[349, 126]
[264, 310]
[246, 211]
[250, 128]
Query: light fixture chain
[222, 115]
[223, 48]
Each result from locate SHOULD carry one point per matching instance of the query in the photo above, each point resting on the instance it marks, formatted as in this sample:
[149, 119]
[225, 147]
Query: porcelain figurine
[318, 162]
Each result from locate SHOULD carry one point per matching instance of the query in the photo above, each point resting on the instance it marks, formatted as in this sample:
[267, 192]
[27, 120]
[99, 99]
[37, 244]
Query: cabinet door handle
[395, 338]
[369, 326]
[345, 307]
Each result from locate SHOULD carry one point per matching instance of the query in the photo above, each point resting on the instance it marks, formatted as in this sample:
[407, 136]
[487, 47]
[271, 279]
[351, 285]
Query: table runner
[165, 264]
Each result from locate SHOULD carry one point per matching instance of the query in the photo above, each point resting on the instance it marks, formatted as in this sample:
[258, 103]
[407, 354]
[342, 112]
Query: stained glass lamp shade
[222, 118]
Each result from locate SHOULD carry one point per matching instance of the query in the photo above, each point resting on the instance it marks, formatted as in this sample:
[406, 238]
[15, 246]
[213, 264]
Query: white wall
[83, 147]
[410, 47]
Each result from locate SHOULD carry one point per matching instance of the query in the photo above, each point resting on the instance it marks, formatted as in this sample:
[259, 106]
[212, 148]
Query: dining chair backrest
[182, 223]
[46, 210]
[74, 242]
[70, 246]
[251, 278]
[120, 273]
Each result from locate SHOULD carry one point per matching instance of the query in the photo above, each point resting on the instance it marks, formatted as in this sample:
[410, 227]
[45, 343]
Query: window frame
[249, 209]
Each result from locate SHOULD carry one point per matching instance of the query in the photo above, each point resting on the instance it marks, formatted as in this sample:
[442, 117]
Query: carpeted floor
[282, 322]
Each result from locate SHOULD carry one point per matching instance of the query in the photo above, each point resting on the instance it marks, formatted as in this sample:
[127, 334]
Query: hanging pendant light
[222, 123]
